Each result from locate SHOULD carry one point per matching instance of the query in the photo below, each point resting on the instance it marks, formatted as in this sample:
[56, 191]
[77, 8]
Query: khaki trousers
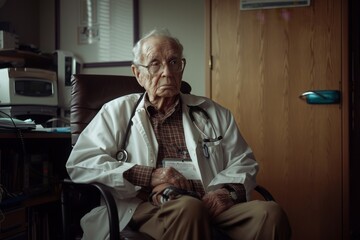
[186, 218]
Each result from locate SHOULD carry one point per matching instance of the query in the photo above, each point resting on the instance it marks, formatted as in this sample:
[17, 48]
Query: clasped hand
[216, 201]
[169, 176]
[162, 178]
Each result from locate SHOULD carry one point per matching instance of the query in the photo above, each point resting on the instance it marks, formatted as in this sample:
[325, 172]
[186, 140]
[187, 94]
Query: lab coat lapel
[194, 142]
[143, 126]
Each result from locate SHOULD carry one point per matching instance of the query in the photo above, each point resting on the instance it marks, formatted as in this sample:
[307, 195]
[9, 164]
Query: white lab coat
[93, 156]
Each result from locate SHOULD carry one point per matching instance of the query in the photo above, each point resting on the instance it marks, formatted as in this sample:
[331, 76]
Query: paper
[183, 166]
[13, 123]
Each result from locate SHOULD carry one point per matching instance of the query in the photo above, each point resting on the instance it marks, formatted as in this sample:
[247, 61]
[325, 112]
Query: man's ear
[136, 73]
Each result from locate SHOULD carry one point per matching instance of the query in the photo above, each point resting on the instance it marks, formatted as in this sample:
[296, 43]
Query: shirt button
[130, 210]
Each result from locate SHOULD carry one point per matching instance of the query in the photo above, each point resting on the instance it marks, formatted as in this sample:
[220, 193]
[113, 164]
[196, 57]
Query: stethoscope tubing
[122, 154]
[192, 109]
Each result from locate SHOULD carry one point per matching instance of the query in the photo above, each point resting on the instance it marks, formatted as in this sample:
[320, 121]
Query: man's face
[161, 79]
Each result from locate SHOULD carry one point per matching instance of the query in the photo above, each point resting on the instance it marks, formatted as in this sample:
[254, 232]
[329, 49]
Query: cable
[19, 134]
[25, 156]
[4, 193]
[7, 115]
[62, 120]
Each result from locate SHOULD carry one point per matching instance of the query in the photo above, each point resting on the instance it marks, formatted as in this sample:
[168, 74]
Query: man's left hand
[217, 201]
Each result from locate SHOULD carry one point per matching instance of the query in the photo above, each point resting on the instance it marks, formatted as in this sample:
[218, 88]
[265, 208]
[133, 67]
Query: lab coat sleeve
[239, 161]
[92, 158]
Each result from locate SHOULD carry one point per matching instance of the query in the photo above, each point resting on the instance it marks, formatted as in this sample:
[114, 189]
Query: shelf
[16, 58]
[33, 165]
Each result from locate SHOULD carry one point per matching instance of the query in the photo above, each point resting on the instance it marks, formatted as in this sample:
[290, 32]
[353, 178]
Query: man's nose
[165, 70]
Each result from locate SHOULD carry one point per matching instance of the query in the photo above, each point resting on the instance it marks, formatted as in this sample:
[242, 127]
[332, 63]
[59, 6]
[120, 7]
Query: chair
[89, 93]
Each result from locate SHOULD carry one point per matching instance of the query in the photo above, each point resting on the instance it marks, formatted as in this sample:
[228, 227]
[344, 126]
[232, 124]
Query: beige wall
[47, 25]
[35, 24]
[23, 16]
[33, 21]
[185, 20]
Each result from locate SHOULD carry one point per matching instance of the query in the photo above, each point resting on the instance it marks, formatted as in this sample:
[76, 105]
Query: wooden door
[262, 61]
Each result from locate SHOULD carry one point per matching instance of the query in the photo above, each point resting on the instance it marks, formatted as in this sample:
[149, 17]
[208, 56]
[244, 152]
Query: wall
[185, 20]
[34, 22]
[47, 25]
[188, 28]
[23, 16]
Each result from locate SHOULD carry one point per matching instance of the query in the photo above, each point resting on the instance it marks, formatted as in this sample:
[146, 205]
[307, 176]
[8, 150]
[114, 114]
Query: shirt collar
[151, 110]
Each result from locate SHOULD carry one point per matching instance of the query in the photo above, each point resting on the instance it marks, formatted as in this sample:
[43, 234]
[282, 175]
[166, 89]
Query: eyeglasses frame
[183, 60]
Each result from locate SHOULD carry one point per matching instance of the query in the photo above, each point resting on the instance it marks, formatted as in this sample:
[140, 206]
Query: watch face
[233, 195]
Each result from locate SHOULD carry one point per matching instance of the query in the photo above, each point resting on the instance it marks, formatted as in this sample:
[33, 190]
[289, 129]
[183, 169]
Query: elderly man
[186, 167]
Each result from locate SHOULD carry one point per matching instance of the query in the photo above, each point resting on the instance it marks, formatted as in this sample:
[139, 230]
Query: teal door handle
[321, 97]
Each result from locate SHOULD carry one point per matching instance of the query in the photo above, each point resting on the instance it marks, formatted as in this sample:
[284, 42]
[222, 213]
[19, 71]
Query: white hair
[137, 49]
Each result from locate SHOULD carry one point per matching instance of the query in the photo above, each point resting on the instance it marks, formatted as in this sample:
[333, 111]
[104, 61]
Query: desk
[32, 166]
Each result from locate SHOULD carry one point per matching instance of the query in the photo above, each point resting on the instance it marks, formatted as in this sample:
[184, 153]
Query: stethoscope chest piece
[122, 155]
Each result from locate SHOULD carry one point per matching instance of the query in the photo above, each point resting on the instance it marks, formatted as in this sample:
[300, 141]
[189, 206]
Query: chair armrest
[106, 196]
[264, 193]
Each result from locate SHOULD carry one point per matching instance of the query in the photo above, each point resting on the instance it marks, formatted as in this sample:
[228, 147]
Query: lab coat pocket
[213, 152]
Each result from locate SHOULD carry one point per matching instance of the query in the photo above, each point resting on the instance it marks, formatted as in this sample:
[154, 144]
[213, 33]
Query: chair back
[90, 92]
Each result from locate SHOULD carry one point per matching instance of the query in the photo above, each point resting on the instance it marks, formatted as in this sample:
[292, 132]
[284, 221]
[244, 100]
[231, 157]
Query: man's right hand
[170, 176]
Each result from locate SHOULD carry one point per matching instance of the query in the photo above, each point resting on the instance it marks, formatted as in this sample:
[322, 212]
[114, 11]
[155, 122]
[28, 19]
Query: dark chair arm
[109, 202]
[264, 193]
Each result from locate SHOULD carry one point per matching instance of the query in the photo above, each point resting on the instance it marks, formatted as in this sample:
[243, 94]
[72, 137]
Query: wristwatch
[233, 196]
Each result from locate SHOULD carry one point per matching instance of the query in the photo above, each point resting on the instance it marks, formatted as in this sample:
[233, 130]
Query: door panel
[262, 61]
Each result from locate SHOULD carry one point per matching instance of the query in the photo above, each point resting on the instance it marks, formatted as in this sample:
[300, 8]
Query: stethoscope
[206, 138]
[122, 154]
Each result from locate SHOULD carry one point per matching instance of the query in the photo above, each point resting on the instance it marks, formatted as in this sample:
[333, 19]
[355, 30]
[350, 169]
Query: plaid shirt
[169, 133]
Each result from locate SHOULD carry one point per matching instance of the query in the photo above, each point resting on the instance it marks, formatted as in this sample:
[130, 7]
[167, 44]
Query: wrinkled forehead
[160, 48]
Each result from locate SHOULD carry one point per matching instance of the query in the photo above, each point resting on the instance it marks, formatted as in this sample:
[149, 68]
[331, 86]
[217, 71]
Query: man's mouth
[167, 86]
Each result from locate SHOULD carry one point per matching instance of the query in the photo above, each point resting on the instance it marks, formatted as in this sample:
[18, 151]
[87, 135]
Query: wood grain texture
[262, 61]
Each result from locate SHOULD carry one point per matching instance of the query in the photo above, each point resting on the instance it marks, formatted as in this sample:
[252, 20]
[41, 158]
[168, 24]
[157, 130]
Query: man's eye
[174, 62]
[154, 64]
